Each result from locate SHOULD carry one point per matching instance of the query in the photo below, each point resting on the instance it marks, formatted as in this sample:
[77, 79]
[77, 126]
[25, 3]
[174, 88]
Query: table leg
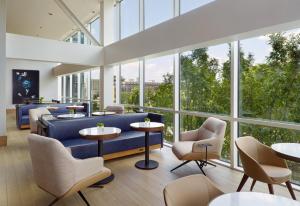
[108, 179]
[146, 164]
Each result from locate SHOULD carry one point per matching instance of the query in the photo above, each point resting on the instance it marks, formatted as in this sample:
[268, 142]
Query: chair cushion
[277, 174]
[184, 151]
[25, 119]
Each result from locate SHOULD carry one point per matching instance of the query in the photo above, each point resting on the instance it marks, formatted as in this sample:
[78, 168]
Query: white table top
[103, 113]
[289, 151]
[147, 125]
[98, 131]
[252, 199]
[70, 116]
[74, 107]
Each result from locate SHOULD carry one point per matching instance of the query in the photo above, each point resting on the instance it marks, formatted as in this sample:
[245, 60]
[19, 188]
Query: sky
[156, 68]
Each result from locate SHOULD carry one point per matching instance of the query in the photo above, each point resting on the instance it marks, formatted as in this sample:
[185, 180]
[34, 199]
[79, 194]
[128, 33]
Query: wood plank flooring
[131, 186]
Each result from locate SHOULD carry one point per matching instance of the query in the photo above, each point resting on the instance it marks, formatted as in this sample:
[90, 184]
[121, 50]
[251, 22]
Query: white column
[234, 101]
[3, 71]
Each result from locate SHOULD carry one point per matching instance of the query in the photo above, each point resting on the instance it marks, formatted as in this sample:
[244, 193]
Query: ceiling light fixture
[50, 14]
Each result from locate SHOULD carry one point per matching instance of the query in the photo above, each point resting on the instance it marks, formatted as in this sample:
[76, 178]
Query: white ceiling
[31, 17]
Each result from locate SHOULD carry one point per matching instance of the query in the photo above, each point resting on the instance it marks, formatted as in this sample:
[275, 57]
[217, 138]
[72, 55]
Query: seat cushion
[184, 151]
[277, 174]
[82, 148]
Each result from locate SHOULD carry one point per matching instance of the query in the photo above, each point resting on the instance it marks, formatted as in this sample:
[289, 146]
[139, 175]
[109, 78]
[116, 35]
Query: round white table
[147, 127]
[100, 134]
[103, 113]
[70, 116]
[252, 199]
[288, 151]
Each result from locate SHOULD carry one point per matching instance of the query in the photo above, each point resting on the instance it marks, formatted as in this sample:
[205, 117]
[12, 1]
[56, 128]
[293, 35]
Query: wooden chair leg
[252, 185]
[289, 186]
[271, 190]
[243, 181]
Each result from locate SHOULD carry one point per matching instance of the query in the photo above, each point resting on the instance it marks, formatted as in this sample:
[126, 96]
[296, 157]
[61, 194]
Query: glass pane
[169, 124]
[67, 88]
[130, 83]
[205, 80]
[271, 135]
[129, 11]
[157, 11]
[188, 5]
[74, 87]
[75, 38]
[62, 86]
[188, 122]
[95, 84]
[84, 85]
[270, 77]
[159, 81]
[95, 29]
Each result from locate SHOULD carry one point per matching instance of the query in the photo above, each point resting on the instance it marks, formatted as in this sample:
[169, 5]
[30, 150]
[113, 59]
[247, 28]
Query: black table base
[104, 181]
[142, 164]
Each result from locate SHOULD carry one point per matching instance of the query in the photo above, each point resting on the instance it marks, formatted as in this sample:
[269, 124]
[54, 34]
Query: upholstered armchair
[34, 115]
[262, 164]
[193, 190]
[58, 173]
[119, 109]
[201, 144]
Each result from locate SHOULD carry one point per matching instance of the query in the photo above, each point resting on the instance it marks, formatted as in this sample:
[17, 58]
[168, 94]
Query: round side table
[74, 108]
[100, 134]
[147, 127]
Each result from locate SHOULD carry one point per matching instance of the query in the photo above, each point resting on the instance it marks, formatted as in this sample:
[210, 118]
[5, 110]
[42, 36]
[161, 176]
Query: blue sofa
[129, 142]
[22, 112]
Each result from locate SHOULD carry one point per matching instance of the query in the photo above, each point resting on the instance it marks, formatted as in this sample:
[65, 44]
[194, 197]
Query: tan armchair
[262, 164]
[119, 109]
[58, 173]
[193, 190]
[202, 144]
[34, 115]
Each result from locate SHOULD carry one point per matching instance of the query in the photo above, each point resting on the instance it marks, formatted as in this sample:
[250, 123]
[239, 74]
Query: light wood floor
[131, 186]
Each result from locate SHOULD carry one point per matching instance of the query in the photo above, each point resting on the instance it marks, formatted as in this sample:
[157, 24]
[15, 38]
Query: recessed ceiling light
[50, 14]
[93, 12]
[41, 27]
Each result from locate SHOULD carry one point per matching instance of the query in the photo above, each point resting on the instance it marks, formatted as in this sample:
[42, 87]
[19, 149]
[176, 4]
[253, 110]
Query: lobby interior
[149, 102]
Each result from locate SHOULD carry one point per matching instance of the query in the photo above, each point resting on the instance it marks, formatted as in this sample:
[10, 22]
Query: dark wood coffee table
[147, 127]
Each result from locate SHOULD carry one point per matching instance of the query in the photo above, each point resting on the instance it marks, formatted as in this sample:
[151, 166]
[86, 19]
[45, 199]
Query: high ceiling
[45, 19]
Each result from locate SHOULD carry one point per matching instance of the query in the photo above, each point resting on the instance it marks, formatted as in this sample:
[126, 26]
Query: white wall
[2, 67]
[40, 49]
[218, 22]
[48, 82]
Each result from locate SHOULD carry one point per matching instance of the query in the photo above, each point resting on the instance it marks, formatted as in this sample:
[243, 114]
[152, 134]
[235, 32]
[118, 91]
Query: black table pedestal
[108, 179]
[146, 164]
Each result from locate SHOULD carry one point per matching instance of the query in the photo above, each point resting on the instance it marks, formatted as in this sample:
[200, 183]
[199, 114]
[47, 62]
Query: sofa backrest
[69, 129]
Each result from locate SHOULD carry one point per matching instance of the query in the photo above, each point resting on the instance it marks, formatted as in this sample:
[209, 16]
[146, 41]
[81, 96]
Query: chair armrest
[87, 167]
[191, 135]
[211, 144]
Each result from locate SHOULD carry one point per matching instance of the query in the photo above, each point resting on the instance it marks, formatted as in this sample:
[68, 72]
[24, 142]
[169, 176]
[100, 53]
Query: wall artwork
[26, 84]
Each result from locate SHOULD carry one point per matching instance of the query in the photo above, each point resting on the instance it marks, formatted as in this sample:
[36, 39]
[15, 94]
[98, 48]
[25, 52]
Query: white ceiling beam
[76, 21]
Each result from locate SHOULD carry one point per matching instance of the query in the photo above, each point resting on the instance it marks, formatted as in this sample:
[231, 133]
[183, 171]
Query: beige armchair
[202, 144]
[262, 164]
[58, 173]
[193, 190]
[119, 109]
[34, 115]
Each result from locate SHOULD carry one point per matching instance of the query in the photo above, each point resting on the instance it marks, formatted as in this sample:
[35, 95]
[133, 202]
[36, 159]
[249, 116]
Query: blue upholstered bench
[22, 112]
[129, 142]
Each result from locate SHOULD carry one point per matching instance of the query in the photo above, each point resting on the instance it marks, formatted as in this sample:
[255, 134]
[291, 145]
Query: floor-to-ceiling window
[95, 29]
[85, 85]
[130, 83]
[95, 89]
[269, 85]
[205, 87]
[129, 18]
[74, 87]
[157, 11]
[68, 86]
